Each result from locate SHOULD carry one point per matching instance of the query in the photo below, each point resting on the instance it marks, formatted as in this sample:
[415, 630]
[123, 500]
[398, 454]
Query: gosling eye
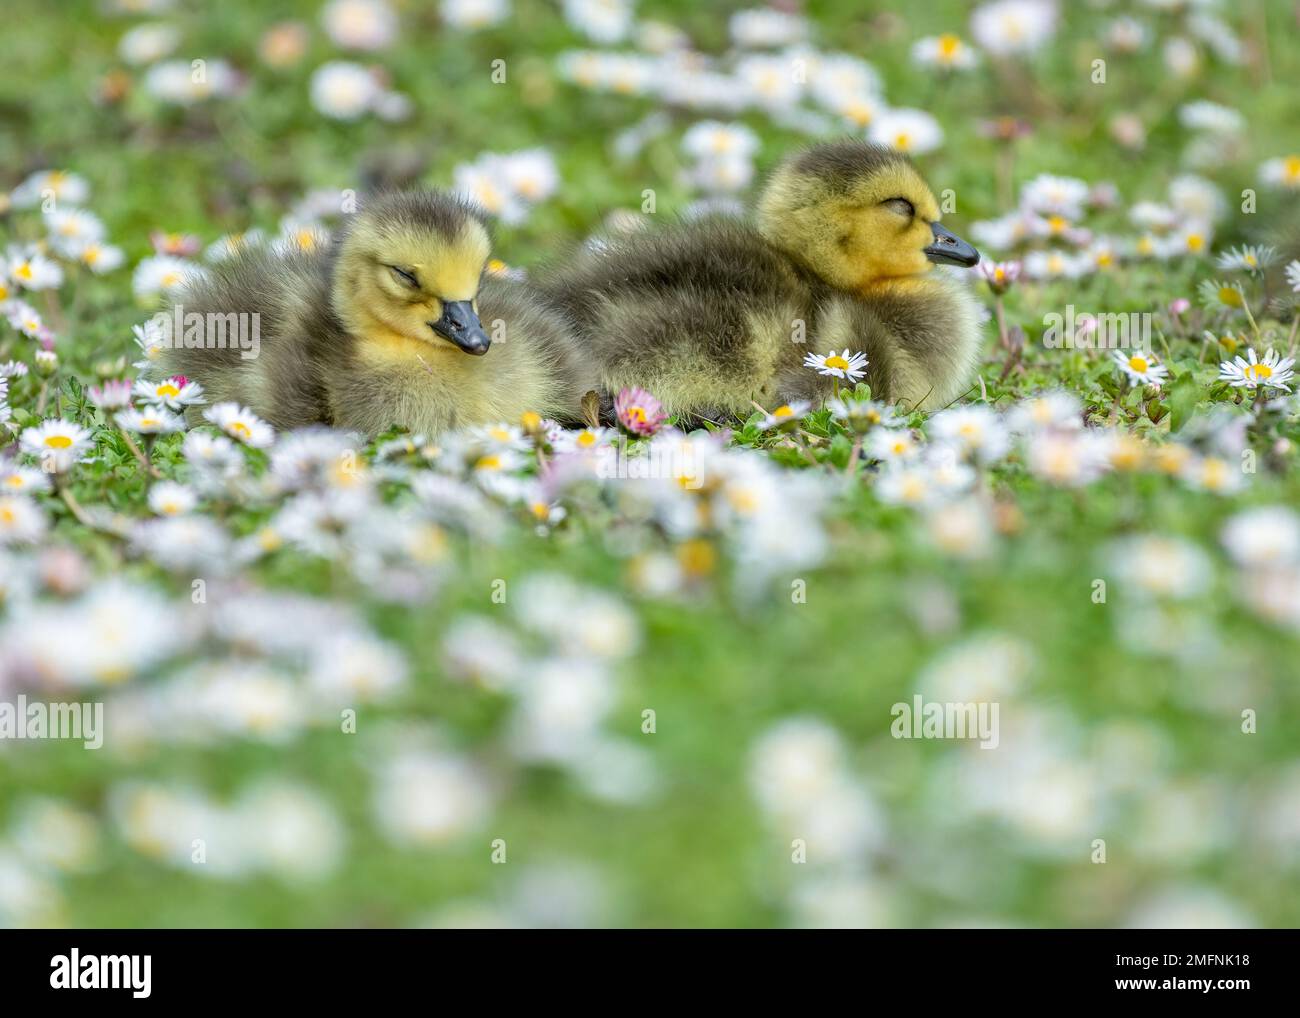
[404, 277]
[900, 205]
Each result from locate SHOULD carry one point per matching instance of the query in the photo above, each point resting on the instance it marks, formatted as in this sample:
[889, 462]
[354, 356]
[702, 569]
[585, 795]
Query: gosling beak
[949, 249]
[460, 324]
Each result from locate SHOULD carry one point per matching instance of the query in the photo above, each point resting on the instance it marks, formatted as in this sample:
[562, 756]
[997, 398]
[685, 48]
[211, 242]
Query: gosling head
[410, 264]
[857, 214]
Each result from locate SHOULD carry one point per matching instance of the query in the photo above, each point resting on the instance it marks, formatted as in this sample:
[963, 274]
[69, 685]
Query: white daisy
[58, 444]
[65, 188]
[891, 445]
[1141, 367]
[1267, 537]
[241, 424]
[30, 269]
[786, 416]
[711, 139]
[167, 498]
[839, 365]
[173, 393]
[152, 420]
[21, 520]
[98, 256]
[1282, 172]
[912, 131]
[474, 14]
[1293, 275]
[1252, 258]
[360, 24]
[975, 430]
[864, 414]
[16, 480]
[1013, 26]
[69, 228]
[585, 441]
[148, 43]
[947, 52]
[1250, 372]
[161, 275]
[343, 90]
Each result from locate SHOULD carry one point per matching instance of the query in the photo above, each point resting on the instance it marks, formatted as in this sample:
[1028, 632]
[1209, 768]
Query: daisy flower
[148, 43]
[26, 319]
[1164, 566]
[912, 131]
[112, 395]
[344, 91]
[946, 52]
[152, 341]
[1215, 118]
[13, 369]
[912, 486]
[586, 440]
[1067, 458]
[1251, 373]
[174, 81]
[153, 420]
[639, 412]
[241, 424]
[1141, 367]
[1282, 172]
[1266, 537]
[999, 275]
[31, 270]
[474, 14]
[1247, 258]
[975, 430]
[21, 520]
[864, 414]
[531, 174]
[65, 188]
[58, 443]
[16, 480]
[1008, 27]
[360, 24]
[1293, 275]
[764, 28]
[711, 139]
[173, 393]
[501, 436]
[787, 416]
[161, 275]
[1214, 474]
[69, 228]
[603, 21]
[233, 244]
[892, 445]
[180, 245]
[838, 365]
[1218, 295]
[98, 256]
[167, 498]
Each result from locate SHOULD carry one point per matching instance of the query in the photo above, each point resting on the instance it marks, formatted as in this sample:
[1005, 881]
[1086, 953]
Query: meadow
[474, 679]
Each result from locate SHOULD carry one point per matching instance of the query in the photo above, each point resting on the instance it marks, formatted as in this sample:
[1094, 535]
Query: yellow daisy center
[585, 439]
[1260, 371]
[58, 441]
[637, 414]
[168, 390]
[24, 271]
[489, 463]
[836, 361]
[1138, 364]
[1195, 242]
[948, 46]
[783, 411]
[1230, 295]
[240, 428]
[1291, 168]
[170, 279]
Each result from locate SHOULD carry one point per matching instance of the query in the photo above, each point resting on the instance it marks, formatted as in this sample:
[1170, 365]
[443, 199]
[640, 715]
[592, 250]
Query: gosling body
[715, 315]
[394, 324]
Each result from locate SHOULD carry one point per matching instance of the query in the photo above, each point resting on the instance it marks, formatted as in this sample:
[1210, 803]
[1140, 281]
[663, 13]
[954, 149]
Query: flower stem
[142, 457]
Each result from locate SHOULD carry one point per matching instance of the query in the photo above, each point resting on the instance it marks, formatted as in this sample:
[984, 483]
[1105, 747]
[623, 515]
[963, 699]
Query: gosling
[717, 315]
[385, 327]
